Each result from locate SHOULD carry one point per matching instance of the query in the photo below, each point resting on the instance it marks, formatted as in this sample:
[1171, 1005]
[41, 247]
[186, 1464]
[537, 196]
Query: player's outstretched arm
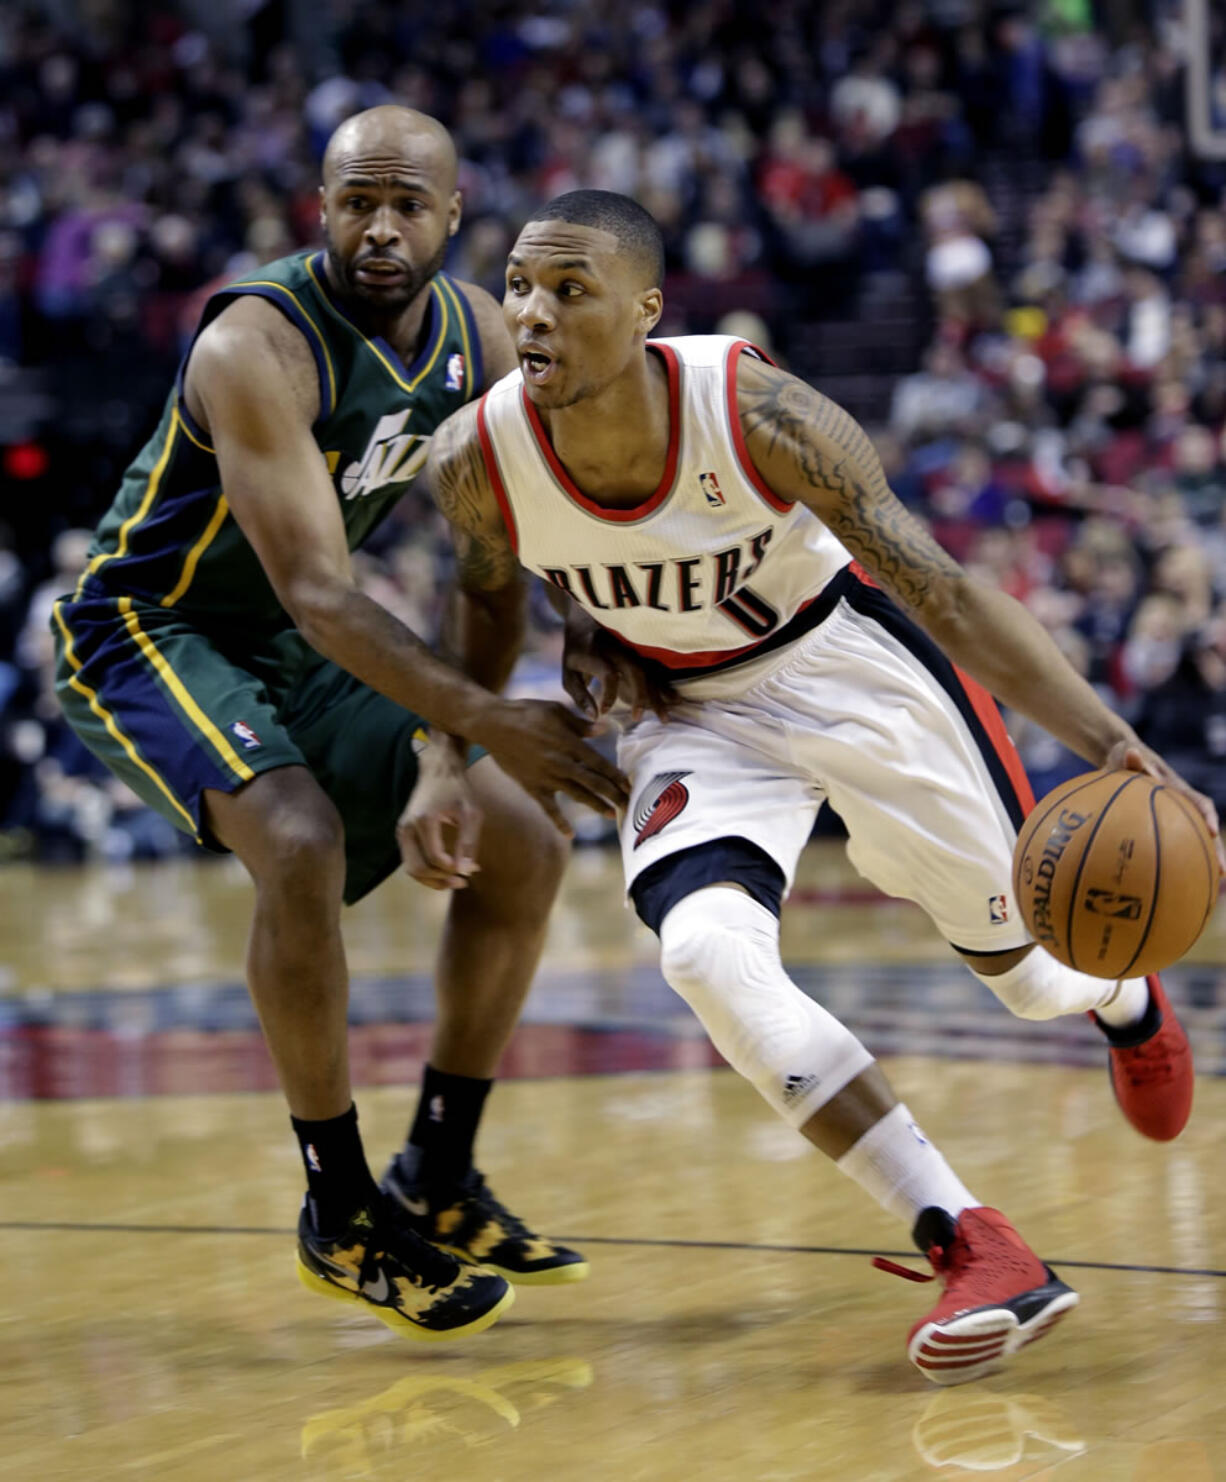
[251, 380]
[809, 450]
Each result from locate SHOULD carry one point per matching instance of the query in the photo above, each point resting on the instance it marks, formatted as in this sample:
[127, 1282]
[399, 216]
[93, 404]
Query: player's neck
[402, 330]
[594, 442]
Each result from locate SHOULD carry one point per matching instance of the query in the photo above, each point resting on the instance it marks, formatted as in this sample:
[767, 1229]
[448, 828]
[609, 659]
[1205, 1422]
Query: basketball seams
[1153, 898]
[1081, 864]
[1201, 833]
[1034, 821]
[1164, 927]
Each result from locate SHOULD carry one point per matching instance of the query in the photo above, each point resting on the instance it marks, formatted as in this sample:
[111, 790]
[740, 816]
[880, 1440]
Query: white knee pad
[719, 949]
[1039, 987]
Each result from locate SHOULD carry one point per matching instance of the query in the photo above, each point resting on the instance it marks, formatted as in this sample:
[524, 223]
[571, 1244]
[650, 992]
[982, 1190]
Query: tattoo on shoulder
[457, 471]
[461, 489]
[823, 456]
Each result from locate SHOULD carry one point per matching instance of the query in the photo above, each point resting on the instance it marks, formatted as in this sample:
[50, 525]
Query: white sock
[1128, 1005]
[900, 1168]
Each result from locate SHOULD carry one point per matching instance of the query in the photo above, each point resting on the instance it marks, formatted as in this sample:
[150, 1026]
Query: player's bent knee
[1039, 987]
[719, 950]
[301, 847]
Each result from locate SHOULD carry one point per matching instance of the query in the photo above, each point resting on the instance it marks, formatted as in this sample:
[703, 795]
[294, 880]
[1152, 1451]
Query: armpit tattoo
[815, 439]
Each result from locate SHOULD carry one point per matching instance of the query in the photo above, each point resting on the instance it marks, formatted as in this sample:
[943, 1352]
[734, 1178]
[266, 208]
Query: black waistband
[808, 618]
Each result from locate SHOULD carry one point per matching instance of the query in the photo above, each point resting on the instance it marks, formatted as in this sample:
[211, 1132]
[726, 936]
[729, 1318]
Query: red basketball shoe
[1151, 1068]
[998, 1295]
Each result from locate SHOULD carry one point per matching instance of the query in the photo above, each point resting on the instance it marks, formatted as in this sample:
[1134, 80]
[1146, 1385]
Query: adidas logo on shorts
[797, 1086]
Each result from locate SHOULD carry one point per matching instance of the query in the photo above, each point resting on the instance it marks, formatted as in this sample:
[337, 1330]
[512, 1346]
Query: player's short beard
[385, 305]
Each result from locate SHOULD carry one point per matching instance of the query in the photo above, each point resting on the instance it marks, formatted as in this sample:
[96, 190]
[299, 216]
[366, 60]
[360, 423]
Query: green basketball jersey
[169, 537]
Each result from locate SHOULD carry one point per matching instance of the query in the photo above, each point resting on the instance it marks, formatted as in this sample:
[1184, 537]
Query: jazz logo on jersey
[455, 372]
[710, 487]
[392, 456]
[998, 910]
[243, 733]
[664, 797]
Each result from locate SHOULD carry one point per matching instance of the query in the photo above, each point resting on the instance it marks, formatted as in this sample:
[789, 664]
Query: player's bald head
[390, 137]
[388, 206]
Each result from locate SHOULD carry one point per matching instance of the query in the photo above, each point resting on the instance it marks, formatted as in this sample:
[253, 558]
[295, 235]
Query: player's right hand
[592, 654]
[540, 744]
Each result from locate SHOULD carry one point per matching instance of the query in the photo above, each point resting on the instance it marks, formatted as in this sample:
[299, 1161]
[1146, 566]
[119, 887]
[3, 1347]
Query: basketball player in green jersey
[220, 657]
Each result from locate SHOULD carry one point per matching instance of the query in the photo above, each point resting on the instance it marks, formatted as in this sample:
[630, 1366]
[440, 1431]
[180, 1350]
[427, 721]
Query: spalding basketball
[1115, 874]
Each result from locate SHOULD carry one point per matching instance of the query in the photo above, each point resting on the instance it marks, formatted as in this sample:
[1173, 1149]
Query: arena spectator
[976, 226]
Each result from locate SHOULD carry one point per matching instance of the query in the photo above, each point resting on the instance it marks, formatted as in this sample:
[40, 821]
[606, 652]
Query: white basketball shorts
[867, 712]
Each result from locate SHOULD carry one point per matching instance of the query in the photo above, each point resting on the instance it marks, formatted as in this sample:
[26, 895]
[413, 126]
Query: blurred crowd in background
[978, 226]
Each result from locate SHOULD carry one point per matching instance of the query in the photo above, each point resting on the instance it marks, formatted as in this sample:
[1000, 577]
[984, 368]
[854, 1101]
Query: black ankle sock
[1128, 1036]
[933, 1226]
[338, 1180]
[445, 1126]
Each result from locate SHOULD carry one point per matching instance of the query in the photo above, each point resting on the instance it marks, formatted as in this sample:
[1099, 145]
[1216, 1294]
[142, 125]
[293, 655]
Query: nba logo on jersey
[242, 732]
[710, 487]
[998, 910]
[455, 372]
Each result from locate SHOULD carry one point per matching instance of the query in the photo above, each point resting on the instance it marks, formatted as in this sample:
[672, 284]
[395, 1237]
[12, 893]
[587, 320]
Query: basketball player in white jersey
[732, 530]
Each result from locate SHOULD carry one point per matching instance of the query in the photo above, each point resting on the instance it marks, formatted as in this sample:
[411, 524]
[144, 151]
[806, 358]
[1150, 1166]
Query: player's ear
[323, 207]
[651, 306]
[455, 213]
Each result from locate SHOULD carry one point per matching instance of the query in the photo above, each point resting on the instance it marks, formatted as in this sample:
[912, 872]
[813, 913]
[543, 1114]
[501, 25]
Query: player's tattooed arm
[456, 477]
[809, 450]
[483, 620]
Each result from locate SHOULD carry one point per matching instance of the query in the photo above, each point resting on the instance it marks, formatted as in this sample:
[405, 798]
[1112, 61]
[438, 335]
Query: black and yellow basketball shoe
[411, 1285]
[465, 1220]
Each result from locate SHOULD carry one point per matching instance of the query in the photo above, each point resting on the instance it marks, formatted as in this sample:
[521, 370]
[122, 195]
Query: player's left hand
[1131, 756]
[591, 654]
[441, 824]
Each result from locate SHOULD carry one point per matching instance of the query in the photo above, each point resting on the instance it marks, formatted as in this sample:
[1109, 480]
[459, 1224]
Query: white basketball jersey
[713, 569]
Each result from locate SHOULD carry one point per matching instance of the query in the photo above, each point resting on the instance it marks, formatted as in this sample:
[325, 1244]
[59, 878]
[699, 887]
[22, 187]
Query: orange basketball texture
[1115, 874]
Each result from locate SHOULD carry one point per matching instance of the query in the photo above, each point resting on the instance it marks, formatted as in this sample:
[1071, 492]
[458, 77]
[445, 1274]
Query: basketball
[1115, 874]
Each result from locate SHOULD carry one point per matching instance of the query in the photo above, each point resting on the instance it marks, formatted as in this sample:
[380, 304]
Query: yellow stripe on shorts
[179, 690]
[108, 720]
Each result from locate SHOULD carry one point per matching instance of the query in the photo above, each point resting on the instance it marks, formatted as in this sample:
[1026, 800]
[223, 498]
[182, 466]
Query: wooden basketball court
[732, 1329]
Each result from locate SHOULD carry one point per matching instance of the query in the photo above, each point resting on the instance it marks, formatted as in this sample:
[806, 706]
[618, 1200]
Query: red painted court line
[51, 1062]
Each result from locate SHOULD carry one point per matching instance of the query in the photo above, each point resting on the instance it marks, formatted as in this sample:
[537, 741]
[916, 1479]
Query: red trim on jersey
[665, 486]
[738, 432]
[495, 477]
[861, 575]
[671, 658]
[986, 709]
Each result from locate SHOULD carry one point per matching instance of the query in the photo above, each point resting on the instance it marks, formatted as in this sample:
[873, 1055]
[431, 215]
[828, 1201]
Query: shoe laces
[1148, 1062]
[947, 1262]
[478, 1192]
[423, 1264]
